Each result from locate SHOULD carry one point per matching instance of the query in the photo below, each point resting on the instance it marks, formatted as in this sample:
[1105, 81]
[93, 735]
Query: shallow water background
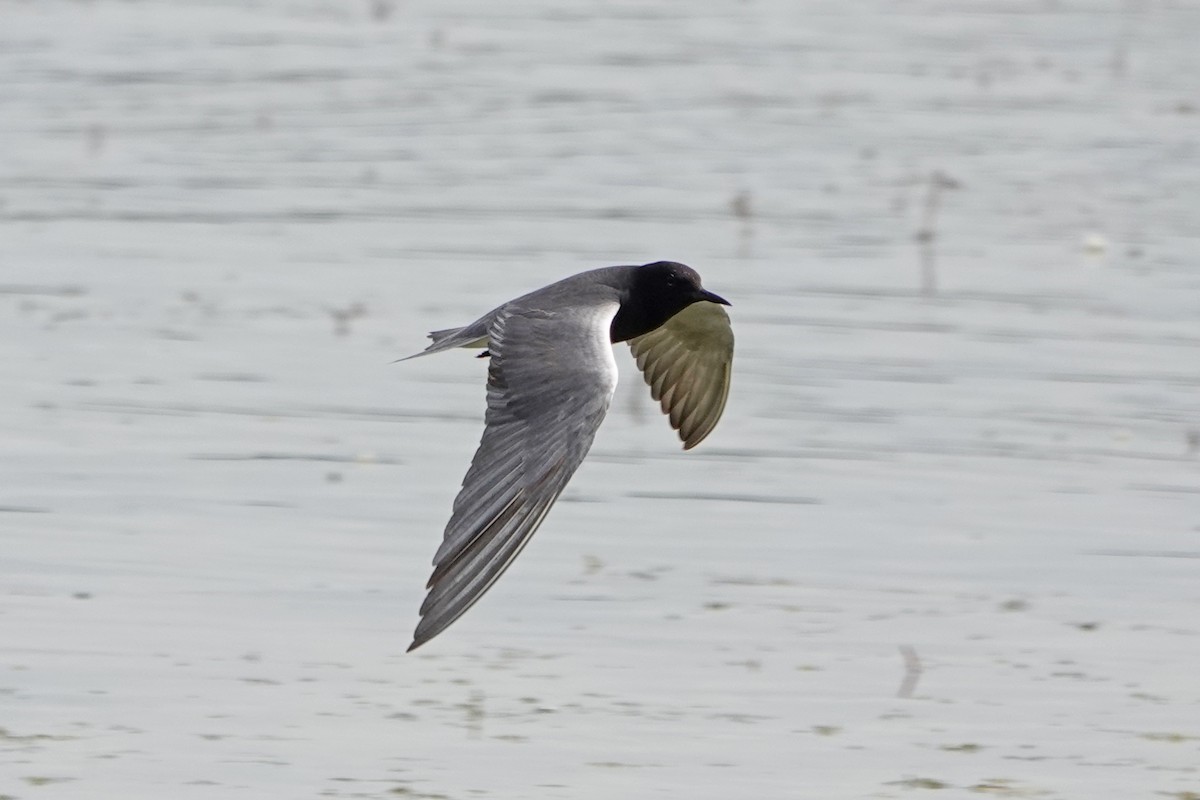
[961, 240]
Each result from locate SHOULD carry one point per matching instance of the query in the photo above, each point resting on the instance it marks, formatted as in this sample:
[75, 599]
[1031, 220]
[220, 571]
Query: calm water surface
[946, 537]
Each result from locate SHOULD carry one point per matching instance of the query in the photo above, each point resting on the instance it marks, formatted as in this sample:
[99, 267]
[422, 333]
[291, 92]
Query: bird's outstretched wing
[550, 380]
[687, 363]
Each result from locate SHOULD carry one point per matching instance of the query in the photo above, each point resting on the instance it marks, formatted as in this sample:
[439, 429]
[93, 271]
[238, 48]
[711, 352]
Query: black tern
[551, 377]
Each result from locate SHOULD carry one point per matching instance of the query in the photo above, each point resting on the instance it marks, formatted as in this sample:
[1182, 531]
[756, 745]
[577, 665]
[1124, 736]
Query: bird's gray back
[591, 288]
[582, 293]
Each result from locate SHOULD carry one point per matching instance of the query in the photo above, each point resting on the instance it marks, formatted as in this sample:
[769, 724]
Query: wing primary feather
[686, 363]
[454, 594]
[473, 550]
[542, 414]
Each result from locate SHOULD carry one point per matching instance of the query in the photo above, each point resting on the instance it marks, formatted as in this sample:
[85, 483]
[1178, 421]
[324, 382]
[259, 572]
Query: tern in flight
[551, 377]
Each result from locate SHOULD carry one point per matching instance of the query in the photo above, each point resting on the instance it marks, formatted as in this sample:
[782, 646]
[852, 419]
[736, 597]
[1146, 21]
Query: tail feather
[450, 338]
[439, 336]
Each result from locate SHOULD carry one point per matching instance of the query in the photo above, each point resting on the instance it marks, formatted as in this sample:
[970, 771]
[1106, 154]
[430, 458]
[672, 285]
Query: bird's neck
[634, 319]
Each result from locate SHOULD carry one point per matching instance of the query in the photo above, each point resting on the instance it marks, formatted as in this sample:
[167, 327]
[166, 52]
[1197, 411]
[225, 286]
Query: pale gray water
[220, 222]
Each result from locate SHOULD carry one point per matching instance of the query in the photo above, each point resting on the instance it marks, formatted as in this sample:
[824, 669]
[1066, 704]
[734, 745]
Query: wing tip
[425, 632]
[695, 434]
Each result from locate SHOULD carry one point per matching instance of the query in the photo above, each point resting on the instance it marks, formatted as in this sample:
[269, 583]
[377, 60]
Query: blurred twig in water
[927, 233]
[342, 317]
[743, 209]
[1124, 41]
[475, 713]
[740, 206]
[912, 671]
[382, 10]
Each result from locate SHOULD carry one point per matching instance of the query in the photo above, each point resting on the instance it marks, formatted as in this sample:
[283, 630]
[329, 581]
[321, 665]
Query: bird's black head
[656, 293]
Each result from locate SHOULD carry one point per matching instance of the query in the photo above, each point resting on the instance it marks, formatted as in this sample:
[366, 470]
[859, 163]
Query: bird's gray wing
[687, 363]
[550, 380]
